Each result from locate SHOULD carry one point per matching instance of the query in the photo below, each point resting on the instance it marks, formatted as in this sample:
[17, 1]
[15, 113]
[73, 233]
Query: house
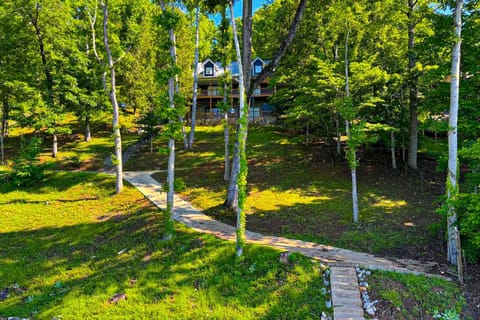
[210, 93]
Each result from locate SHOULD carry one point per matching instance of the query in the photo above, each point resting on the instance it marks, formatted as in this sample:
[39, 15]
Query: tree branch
[270, 67]
[123, 55]
[93, 20]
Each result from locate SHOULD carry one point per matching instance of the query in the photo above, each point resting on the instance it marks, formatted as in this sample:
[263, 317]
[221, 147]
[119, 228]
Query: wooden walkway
[346, 299]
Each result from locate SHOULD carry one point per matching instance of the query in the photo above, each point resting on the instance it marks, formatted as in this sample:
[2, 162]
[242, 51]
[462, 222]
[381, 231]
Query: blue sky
[237, 8]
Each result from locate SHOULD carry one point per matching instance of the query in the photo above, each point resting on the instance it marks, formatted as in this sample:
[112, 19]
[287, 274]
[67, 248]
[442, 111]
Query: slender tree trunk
[453, 255]
[54, 145]
[231, 199]
[195, 79]
[151, 143]
[6, 110]
[241, 143]
[88, 132]
[353, 158]
[339, 136]
[244, 59]
[354, 192]
[392, 150]
[413, 94]
[247, 46]
[46, 70]
[2, 147]
[113, 99]
[226, 135]
[2, 129]
[172, 87]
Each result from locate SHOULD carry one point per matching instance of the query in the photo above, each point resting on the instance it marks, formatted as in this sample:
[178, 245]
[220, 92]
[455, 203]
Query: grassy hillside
[298, 191]
[69, 246]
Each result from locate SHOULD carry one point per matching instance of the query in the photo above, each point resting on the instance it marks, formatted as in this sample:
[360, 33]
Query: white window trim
[209, 71]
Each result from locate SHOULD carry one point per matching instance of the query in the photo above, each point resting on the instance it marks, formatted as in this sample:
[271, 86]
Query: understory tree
[169, 21]
[453, 244]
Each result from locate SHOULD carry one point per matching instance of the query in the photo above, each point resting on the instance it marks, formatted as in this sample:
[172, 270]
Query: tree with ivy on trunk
[174, 112]
[240, 144]
[231, 201]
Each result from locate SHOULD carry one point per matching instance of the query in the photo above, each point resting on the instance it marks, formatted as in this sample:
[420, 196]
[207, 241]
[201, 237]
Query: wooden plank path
[346, 300]
[344, 283]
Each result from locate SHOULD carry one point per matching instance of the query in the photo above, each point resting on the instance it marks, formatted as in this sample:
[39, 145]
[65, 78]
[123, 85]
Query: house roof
[219, 69]
[258, 59]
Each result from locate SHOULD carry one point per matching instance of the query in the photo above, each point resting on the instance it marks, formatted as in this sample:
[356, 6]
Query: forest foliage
[49, 72]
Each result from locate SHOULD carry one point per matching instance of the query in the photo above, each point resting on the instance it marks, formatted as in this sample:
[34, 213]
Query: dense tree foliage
[382, 67]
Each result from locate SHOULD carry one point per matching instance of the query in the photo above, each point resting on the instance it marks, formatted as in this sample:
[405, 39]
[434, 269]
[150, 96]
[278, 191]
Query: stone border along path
[344, 284]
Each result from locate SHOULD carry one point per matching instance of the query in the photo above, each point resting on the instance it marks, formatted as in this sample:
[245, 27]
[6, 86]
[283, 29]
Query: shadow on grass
[330, 222]
[63, 182]
[73, 271]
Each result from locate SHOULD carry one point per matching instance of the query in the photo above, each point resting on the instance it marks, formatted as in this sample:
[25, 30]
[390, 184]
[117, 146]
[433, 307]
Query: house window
[209, 71]
[213, 91]
[254, 113]
[258, 69]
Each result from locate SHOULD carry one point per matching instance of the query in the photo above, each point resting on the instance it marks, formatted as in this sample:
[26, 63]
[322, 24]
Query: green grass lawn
[69, 244]
[295, 191]
[73, 152]
[415, 297]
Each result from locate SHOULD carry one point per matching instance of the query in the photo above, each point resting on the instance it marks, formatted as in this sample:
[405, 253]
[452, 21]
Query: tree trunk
[247, 46]
[226, 135]
[269, 68]
[46, 70]
[6, 110]
[113, 98]
[413, 90]
[231, 200]
[392, 150]
[151, 143]
[2, 148]
[453, 255]
[354, 192]
[339, 136]
[88, 132]
[184, 132]
[54, 145]
[2, 129]
[241, 143]
[195, 79]
[172, 87]
[353, 160]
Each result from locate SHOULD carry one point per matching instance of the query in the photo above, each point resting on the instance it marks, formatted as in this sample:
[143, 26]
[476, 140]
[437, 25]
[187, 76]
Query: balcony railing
[216, 92]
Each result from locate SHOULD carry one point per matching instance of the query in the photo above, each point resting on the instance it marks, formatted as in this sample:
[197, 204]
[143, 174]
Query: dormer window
[257, 66]
[209, 70]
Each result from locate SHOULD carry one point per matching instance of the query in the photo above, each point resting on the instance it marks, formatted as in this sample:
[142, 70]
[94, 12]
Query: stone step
[346, 300]
[338, 293]
[346, 317]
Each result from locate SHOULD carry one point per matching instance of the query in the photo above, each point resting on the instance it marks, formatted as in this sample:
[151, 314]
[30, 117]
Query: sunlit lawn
[68, 245]
[73, 151]
[290, 195]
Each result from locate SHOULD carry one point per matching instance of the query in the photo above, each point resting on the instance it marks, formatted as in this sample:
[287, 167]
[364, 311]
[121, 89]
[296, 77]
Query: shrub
[179, 185]
[27, 170]
[468, 210]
